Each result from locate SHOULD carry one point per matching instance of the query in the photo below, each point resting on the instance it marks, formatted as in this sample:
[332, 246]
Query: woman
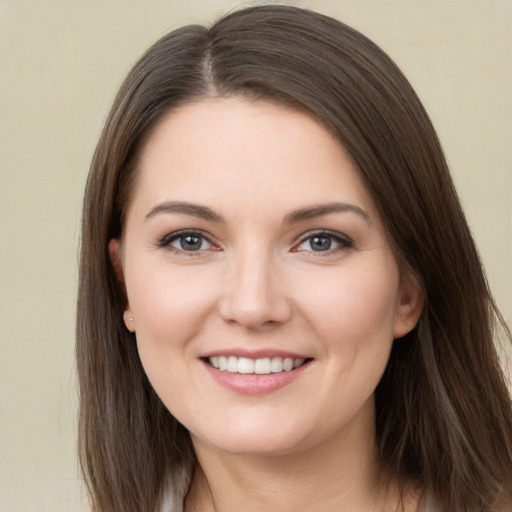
[281, 306]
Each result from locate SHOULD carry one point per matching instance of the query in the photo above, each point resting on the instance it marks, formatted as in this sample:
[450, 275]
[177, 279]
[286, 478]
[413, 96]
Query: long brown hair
[444, 415]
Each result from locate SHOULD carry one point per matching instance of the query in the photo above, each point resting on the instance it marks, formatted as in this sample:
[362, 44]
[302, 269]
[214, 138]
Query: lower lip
[255, 384]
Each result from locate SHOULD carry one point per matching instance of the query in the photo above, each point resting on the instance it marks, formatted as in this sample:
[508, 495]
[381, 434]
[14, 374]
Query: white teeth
[245, 365]
[276, 365]
[288, 364]
[232, 364]
[262, 366]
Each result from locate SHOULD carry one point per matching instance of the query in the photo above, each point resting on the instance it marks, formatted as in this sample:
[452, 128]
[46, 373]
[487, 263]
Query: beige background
[60, 65]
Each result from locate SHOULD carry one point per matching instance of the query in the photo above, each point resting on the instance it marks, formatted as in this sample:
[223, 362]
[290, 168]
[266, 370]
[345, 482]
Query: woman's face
[260, 284]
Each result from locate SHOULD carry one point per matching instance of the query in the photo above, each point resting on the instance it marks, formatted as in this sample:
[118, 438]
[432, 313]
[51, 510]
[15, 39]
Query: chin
[268, 441]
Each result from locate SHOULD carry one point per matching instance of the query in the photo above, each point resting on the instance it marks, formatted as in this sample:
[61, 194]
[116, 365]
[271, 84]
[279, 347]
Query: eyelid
[345, 241]
[165, 241]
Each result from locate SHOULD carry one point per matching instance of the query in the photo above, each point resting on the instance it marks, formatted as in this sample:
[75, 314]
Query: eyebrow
[300, 215]
[312, 212]
[185, 208]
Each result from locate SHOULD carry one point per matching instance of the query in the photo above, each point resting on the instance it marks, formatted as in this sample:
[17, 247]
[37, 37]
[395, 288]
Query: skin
[256, 281]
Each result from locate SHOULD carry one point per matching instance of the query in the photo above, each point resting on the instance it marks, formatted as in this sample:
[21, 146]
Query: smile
[261, 366]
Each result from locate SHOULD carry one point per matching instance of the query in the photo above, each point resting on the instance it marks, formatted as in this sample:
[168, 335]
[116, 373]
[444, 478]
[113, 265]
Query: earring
[128, 320]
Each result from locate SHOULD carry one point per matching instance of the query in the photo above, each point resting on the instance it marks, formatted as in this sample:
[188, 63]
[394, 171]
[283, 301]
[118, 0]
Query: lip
[255, 384]
[254, 354]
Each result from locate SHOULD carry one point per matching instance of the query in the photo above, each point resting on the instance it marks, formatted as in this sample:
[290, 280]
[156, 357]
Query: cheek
[353, 307]
[169, 307]
[352, 315]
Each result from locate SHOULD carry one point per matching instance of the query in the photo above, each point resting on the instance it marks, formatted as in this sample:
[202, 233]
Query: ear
[114, 250]
[409, 306]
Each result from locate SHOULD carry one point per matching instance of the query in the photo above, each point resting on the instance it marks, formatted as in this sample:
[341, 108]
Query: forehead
[232, 150]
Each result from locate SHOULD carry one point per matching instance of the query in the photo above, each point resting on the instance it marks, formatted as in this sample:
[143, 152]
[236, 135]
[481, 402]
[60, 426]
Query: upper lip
[254, 354]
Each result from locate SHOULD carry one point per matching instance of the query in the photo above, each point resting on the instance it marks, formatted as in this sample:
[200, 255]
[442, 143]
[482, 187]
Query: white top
[174, 498]
[175, 495]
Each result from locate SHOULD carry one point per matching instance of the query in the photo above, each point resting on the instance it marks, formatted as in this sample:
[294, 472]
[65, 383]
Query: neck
[342, 474]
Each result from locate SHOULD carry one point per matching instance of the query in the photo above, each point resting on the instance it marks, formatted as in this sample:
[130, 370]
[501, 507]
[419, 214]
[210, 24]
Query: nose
[255, 293]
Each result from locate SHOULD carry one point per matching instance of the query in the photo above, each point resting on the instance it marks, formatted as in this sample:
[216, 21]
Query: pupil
[320, 243]
[190, 242]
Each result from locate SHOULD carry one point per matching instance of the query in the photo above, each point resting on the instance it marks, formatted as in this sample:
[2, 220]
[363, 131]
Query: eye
[323, 242]
[186, 241]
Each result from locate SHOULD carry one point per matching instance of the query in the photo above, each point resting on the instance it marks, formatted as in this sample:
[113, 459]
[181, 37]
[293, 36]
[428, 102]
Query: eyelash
[343, 242]
[167, 240]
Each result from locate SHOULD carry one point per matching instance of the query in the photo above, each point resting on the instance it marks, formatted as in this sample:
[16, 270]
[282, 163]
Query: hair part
[444, 416]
